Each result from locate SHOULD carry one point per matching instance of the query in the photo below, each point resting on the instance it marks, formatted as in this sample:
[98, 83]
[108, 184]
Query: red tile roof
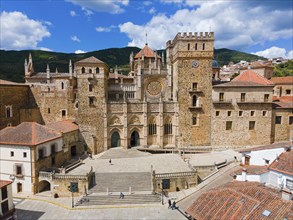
[240, 200]
[251, 76]
[283, 101]
[283, 80]
[284, 163]
[5, 82]
[147, 51]
[27, 134]
[4, 183]
[252, 170]
[64, 126]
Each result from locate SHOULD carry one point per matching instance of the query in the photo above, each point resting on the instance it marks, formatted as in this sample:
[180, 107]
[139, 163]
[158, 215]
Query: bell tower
[190, 56]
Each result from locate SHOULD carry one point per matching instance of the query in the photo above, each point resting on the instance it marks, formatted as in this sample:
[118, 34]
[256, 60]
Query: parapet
[191, 36]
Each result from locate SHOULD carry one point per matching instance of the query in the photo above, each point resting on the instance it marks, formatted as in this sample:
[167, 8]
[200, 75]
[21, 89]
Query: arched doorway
[115, 139]
[134, 139]
[44, 185]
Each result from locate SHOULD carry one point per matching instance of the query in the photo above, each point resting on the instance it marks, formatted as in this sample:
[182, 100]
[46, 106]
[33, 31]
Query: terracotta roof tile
[27, 134]
[64, 126]
[283, 80]
[251, 76]
[91, 59]
[147, 51]
[252, 170]
[284, 163]
[240, 200]
[285, 144]
[4, 183]
[283, 101]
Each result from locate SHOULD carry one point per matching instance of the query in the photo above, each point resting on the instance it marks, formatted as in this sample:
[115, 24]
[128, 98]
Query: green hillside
[284, 69]
[12, 62]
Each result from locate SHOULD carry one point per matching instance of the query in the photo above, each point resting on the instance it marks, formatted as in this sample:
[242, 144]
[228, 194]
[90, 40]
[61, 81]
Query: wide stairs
[122, 182]
[93, 199]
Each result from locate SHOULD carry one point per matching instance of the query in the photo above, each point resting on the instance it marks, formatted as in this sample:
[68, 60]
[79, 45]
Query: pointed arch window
[152, 127]
[168, 126]
[82, 70]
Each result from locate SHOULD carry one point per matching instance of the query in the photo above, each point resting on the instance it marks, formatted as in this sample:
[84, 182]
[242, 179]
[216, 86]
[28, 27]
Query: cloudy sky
[263, 27]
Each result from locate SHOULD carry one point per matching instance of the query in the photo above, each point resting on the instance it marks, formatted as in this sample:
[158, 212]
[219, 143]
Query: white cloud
[45, 49]
[20, 32]
[110, 6]
[235, 23]
[73, 13]
[105, 29]
[79, 51]
[275, 52]
[152, 10]
[147, 3]
[75, 38]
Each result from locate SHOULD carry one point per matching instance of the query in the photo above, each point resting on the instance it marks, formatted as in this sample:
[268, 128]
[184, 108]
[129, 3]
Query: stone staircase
[120, 182]
[91, 200]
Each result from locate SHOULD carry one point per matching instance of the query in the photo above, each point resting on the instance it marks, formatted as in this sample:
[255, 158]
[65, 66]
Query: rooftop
[285, 144]
[283, 101]
[4, 183]
[27, 134]
[252, 170]
[147, 51]
[284, 163]
[64, 126]
[283, 80]
[240, 200]
[91, 59]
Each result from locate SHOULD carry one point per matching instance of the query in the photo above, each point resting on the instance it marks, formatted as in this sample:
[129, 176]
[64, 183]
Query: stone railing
[174, 175]
[122, 87]
[260, 100]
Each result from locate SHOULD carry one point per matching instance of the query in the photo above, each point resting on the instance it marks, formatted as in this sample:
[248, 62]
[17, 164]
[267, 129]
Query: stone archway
[134, 139]
[115, 139]
[44, 185]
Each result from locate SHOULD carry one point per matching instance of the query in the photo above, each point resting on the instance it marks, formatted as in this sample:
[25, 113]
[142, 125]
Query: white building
[24, 151]
[6, 200]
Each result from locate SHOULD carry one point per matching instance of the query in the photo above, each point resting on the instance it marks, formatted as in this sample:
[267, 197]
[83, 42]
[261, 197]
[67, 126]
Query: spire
[30, 64]
[56, 71]
[70, 69]
[48, 71]
[146, 38]
[25, 67]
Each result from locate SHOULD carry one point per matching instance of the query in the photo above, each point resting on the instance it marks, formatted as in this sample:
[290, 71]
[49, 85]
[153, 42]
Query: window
[49, 110]
[288, 91]
[228, 125]
[53, 148]
[252, 113]
[4, 192]
[18, 169]
[11, 153]
[240, 113]
[203, 46]
[243, 97]
[63, 113]
[188, 46]
[152, 129]
[8, 111]
[267, 162]
[221, 96]
[266, 97]
[24, 154]
[90, 87]
[62, 85]
[168, 127]
[90, 71]
[264, 113]
[194, 120]
[91, 101]
[4, 207]
[229, 113]
[289, 184]
[82, 70]
[194, 86]
[41, 153]
[97, 70]
[195, 46]
[252, 125]
[278, 120]
[290, 120]
[217, 113]
[194, 100]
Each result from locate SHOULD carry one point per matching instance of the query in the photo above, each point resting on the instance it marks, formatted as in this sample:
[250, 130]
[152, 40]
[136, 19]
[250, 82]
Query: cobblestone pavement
[32, 209]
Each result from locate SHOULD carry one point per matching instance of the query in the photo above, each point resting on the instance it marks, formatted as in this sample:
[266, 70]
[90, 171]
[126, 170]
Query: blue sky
[264, 27]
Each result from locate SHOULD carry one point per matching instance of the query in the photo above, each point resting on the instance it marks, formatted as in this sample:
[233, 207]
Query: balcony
[195, 108]
[195, 91]
[222, 101]
[253, 101]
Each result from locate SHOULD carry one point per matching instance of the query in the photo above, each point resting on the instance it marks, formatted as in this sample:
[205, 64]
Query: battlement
[191, 36]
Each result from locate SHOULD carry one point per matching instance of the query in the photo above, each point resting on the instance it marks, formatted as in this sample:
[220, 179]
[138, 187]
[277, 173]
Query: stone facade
[282, 122]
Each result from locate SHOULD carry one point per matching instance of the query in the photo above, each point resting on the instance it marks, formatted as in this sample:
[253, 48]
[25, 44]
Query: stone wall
[283, 131]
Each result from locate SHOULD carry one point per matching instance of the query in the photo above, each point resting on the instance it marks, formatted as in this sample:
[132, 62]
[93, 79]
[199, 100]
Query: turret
[70, 70]
[26, 68]
[30, 64]
[48, 74]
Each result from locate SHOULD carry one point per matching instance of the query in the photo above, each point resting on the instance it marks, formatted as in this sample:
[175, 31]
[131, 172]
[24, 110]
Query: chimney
[244, 174]
[286, 194]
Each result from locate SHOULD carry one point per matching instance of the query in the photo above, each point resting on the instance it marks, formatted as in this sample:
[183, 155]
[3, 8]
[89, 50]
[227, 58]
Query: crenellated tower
[189, 61]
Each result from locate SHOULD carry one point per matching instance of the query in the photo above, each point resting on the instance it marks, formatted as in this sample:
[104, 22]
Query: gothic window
[82, 70]
[203, 46]
[168, 126]
[152, 127]
[8, 111]
[97, 70]
[194, 100]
